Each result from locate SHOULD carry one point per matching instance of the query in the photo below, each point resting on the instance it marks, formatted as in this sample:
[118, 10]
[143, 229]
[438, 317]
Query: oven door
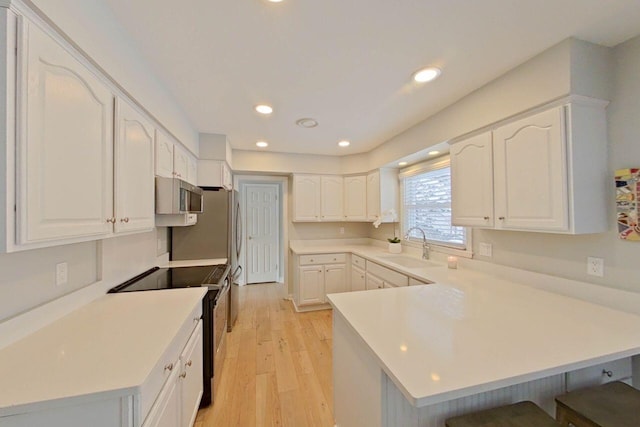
[219, 341]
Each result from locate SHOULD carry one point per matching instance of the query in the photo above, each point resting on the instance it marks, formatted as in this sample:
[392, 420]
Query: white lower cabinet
[374, 282]
[178, 401]
[383, 277]
[358, 278]
[317, 276]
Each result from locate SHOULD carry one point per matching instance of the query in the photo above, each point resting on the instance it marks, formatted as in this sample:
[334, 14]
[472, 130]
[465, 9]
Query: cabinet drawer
[358, 260]
[168, 362]
[322, 259]
[391, 277]
[599, 374]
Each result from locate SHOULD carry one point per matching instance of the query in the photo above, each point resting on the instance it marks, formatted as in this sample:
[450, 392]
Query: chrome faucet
[425, 246]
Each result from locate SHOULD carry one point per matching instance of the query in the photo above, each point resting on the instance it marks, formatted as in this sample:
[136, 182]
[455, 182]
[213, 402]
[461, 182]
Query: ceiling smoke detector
[307, 123]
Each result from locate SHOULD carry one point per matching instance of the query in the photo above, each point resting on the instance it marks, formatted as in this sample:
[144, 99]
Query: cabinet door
[134, 161]
[192, 170]
[306, 198]
[191, 378]
[373, 196]
[530, 173]
[164, 155]
[65, 145]
[355, 198]
[227, 178]
[374, 282]
[335, 279]
[180, 162]
[311, 285]
[166, 409]
[472, 181]
[331, 199]
[358, 279]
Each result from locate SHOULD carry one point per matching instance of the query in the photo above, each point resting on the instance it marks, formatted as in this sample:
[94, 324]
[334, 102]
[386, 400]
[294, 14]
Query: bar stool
[521, 414]
[614, 404]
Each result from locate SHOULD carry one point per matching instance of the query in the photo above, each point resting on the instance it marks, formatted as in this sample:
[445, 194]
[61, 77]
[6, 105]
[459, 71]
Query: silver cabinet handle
[124, 219]
[501, 218]
[183, 375]
[607, 373]
[311, 260]
[189, 363]
[486, 218]
[169, 367]
[111, 220]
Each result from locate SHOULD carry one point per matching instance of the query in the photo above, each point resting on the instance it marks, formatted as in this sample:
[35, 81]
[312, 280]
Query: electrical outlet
[341, 230]
[595, 266]
[486, 249]
[61, 273]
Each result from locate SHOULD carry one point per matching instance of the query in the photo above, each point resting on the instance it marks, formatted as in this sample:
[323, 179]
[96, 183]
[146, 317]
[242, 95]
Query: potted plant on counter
[395, 247]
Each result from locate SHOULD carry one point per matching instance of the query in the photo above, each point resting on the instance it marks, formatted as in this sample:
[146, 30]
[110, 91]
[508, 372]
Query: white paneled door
[263, 234]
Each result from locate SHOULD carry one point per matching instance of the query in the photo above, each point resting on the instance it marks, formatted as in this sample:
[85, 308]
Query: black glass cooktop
[179, 277]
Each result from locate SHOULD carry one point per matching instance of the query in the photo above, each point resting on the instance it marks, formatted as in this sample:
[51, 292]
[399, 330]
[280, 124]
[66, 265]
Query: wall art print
[627, 204]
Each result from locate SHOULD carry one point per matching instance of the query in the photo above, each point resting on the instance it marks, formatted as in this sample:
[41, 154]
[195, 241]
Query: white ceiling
[346, 63]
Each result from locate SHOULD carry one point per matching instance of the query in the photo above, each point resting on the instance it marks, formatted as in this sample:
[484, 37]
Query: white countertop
[91, 351]
[194, 262]
[471, 332]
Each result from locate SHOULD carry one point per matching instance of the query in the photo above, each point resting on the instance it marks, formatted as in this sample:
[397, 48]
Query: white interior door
[263, 234]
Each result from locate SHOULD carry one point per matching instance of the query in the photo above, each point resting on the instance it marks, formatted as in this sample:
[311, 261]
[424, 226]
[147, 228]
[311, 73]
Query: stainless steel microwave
[175, 196]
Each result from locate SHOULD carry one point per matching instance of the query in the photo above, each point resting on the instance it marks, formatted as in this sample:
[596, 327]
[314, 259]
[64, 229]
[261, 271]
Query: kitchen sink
[408, 262]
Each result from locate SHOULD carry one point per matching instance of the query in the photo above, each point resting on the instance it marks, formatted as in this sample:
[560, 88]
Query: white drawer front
[389, 276]
[358, 260]
[168, 362]
[599, 374]
[322, 259]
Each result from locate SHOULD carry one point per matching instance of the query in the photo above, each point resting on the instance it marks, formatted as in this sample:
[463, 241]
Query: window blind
[426, 200]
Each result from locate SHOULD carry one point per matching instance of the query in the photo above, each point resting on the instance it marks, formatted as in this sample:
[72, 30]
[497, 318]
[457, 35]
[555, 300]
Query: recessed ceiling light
[402, 164]
[275, 1]
[426, 74]
[344, 143]
[264, 109]
[433, 153]
[307, 122]
[262, 144]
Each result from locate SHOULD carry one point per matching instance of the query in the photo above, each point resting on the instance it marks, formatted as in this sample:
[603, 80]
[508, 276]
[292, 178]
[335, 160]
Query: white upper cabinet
[472, 176]
[64, 145]
[134, 161]
[355, 198]
[352, 198]
[306, 198]
[382, 193]
[164, 155]
[173, 161]
[331, 198]
[214, 173]
[192, 170]
[530, 172]
[180, 162]
[549, 172]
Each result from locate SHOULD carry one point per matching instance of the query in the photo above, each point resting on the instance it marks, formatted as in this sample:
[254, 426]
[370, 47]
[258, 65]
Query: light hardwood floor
[278, 370]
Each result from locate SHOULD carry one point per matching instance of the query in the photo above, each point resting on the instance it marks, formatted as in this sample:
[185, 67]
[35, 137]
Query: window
[426, 203]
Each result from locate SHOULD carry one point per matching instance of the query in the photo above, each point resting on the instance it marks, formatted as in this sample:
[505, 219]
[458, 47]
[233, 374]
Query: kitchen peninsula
[417, 355]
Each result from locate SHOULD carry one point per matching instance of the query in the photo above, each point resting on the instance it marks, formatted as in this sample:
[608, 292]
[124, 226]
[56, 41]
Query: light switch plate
[486, 249]
[595, 266]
